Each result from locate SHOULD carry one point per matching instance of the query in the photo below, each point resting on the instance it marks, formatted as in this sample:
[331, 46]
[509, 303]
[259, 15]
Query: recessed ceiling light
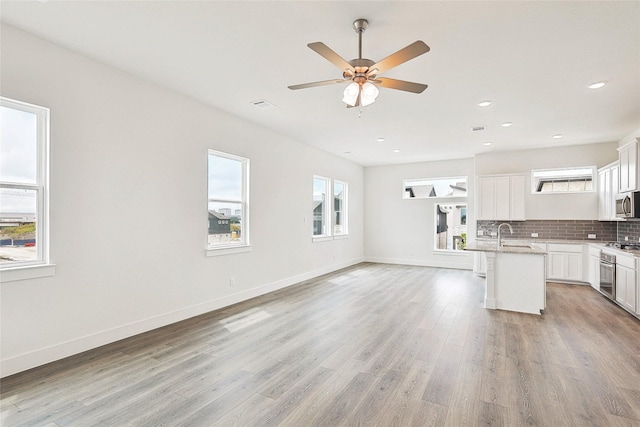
[485, 103]
[506, 124]
[557, 136]
[597, 85]
[396, 150]
[380, 139]
[487, 143]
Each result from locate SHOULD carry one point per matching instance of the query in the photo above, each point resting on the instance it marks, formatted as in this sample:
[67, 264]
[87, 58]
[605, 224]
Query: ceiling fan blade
[401, 85]
[328, 54]
[405, 54]
[314, 84]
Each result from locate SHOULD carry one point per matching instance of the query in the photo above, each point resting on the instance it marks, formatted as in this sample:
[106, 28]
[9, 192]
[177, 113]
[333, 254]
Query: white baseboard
[440, 263]
[32, 359]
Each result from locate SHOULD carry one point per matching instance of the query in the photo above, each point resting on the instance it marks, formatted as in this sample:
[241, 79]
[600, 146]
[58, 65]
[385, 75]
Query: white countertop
[513, 247]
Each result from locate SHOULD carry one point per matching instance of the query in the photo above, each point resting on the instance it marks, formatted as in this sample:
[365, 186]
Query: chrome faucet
[500, 235]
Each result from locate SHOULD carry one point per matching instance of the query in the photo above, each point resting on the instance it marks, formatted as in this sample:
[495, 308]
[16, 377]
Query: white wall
[129, 210]
[401, 231]
[551, 206]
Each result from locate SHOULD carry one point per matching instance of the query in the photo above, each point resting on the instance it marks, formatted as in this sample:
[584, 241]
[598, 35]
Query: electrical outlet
[232, 282]
[591, 236]
[480, 232]
[494, 233]
[626, 238]
[534, 234]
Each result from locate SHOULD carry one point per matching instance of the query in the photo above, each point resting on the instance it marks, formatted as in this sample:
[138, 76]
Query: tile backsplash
[605, 231]
[630, 230]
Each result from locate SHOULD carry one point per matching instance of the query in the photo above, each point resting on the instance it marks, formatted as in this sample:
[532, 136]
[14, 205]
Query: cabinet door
[502, 192]
[626, 287]
[555, 265]
[615, 175]
[604, 194]
[594, 272]
[628, 164]
[517, 192]
[486, 202]
[573, 267]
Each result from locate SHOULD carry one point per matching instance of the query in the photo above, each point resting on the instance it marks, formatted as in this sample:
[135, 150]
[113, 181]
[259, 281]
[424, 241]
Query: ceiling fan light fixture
[369, 94]
[350, 94]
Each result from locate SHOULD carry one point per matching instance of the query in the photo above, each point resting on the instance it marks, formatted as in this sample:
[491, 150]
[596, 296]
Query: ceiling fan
[363, 73]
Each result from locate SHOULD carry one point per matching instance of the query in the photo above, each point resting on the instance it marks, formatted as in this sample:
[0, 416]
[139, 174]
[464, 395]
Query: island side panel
[520, 282]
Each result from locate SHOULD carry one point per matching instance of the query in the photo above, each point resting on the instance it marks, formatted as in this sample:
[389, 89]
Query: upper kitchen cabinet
[501, 197]
[628, 157]
[607, 191]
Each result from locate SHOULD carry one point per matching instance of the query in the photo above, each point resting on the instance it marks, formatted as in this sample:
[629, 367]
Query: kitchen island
[516, 276]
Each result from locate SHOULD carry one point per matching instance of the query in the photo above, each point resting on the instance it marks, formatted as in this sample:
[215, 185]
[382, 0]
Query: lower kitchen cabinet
[564, 262]
[626, 282]
[594, 267]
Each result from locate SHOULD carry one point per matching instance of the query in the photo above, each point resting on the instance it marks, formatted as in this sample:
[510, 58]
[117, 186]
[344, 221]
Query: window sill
[341, 236]
[228, 250]
[321, 239]
[27, 272]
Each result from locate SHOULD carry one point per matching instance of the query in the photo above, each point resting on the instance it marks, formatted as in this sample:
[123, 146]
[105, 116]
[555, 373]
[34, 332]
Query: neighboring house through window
[321, 207]
[24, 177]
[340, 208]
[228, 202]
[330, 208]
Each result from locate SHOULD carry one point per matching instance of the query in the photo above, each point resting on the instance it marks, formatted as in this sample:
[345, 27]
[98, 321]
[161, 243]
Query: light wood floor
[373, 344]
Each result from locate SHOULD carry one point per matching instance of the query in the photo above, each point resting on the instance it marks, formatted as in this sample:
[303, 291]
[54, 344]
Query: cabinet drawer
[626, 261]
[563, 247]
[594, 251]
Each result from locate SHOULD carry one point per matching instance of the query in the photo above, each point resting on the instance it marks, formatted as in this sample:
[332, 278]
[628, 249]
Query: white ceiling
[534, 60]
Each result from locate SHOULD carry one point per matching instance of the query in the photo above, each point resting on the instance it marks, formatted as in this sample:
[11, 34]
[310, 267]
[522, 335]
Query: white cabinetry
[564, 262]
[594, 267]
[501, 197]
[607, 191]
[480, 264]
[626, 282]
[628, 157]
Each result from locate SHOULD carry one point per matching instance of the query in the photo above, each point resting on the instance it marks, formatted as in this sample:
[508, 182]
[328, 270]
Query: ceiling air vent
[478, 128]
[265, 105]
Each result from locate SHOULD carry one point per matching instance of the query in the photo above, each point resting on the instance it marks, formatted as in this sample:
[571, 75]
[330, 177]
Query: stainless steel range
[608, 275]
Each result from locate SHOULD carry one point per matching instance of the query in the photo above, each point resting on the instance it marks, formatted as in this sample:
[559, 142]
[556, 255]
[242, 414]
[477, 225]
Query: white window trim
[345, 209]
[407, 183]
[328, 211]
[594, 184]
[41, 267]
[244, 245]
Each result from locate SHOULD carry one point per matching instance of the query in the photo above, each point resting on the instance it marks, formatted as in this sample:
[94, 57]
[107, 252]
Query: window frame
[436, 206]
[407, 184]
[41, 266]
[326, 211]
[244, 245]
[344, 202]
[538, 182]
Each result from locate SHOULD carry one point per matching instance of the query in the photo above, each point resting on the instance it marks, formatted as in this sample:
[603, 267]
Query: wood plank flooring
[374, 344]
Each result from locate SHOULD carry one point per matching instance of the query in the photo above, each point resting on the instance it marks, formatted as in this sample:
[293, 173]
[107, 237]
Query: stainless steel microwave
[628, 205]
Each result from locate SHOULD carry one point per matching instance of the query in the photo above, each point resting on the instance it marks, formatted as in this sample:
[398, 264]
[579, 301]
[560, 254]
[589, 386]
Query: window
[321, 207]
[450, 223]
[569, 180]
[330, 198]
[434, 188]
[228, 203]
[340, 208]
[24, 180]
